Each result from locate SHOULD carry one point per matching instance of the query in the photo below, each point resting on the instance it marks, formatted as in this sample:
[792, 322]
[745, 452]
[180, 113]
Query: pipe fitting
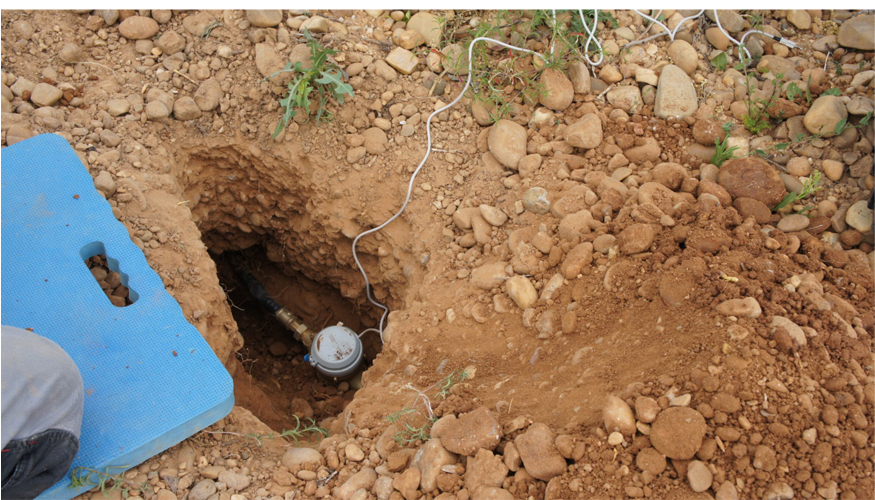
[296, 325]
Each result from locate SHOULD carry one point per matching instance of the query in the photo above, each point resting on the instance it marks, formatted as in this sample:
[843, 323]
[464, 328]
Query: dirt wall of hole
[296, 210]
[284, 202]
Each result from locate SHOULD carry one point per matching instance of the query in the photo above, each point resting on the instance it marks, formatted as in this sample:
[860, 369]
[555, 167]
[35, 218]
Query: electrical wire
[416, 172]
[591, 37]
[671, 33]
[741, 46]
[733, 40]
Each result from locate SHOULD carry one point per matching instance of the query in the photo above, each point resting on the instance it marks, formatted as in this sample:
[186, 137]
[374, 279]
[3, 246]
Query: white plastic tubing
[671, 33]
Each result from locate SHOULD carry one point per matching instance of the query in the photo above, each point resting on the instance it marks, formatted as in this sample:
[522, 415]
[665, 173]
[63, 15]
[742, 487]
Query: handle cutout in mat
[108, 274]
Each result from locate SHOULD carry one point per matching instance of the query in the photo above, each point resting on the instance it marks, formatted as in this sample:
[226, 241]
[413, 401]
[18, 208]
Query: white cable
[656, 22]
[671, 33]
[591, 37]
[741, 46]
[416, 172]
[736, 42]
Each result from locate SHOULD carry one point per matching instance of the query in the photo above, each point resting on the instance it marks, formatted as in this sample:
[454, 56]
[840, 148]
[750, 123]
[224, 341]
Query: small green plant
[721, 152]
[209, 29]
[843, 124]
[500, 78]
[416, 423]
[756, 19]
[106, 480]
[308, 430]
[448, 383]
[756, 119]
[755, 122]
[793, 91]
[299, 432]
[322, 77]
[720, 61]
[832, 91]
[811, 185]
[801, 139]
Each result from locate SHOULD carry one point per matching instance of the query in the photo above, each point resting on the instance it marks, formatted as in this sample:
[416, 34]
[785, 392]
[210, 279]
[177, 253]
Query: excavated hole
[271, 356]
[242, 211]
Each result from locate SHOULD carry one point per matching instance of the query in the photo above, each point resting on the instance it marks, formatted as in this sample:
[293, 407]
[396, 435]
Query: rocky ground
[583, 301]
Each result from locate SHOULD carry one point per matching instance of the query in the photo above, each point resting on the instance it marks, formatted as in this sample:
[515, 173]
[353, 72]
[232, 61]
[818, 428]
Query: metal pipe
[286, 318]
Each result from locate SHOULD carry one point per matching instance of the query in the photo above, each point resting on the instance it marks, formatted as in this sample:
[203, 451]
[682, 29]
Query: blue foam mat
[151, 380]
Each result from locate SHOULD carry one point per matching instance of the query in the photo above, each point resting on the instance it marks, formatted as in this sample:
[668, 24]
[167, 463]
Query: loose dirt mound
[583, 305]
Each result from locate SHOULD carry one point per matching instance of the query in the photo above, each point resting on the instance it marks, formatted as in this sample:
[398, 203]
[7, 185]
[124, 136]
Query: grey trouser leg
[42, 400]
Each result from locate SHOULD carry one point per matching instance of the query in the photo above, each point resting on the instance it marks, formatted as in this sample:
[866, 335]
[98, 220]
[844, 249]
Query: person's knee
[42, 405]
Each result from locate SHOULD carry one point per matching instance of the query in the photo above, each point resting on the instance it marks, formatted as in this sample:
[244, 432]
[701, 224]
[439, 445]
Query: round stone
[677, 432]
[535, 200]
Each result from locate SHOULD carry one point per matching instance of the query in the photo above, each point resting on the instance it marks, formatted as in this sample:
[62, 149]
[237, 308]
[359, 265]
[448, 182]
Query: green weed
[106, 480]
[301, 431]
[323, 77]
[843, 124]
[419, 416]
[720, 61]
[793, 91]
[756, 119]
[502, 77]
[209, 29]
[721, 153]
[811, 185]
[309, 430]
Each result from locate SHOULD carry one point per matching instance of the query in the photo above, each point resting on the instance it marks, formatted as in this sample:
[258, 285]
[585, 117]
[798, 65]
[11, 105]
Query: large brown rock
[858, 33]
[540, 457]
[171, 42]
[557, 88]
[471, 432]
[684, 56]
[138, 28]
[677, 432]
[585, 133]
[708, 132]
[648, 151]
[752, 178]
[507, 142]
[264, 18]
[429, 460]
[485, 469]
[824, 115]
[636, 238]
[749, 207]
[427, 25]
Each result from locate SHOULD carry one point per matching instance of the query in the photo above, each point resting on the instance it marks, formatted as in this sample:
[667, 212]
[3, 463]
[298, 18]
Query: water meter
[336, 352]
